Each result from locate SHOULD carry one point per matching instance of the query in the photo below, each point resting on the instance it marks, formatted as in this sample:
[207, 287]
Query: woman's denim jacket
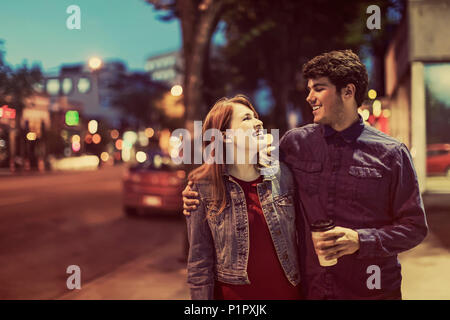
[219, 245]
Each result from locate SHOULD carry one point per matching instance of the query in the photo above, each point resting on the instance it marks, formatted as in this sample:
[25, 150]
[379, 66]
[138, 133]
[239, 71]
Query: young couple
[250, 235]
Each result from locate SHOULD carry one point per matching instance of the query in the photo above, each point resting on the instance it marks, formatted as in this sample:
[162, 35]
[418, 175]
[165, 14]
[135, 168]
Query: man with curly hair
[355, 175]
[361, 178]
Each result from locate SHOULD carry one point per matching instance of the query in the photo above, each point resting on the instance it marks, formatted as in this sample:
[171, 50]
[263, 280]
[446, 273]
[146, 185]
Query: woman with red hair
[242, 236]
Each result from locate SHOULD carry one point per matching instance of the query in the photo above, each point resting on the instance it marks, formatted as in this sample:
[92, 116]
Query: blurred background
[89, 96]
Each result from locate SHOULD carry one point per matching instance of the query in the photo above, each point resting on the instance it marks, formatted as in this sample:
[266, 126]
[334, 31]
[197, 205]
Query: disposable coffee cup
[317, 228]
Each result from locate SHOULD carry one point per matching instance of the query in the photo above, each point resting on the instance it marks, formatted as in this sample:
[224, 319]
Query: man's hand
[265, 155]
[190, 199]
[338, 242]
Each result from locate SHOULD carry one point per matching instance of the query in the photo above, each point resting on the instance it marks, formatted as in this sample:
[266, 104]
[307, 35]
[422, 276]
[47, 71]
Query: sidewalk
[425, 268]
[159, 276]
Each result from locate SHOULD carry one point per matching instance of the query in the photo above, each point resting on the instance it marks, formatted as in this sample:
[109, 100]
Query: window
[84, 85]
[53, 87]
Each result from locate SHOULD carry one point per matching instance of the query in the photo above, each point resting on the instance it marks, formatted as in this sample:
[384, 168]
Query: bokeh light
[157, 161]
[149, 132]
[104, 156]
[88, 138]
[114, 134]
[76, 146]
[96, 138]
[95, 63]
[119, 144]
[365, 114]
[31, 136]
[92, 126]
[376, 108]
[176, 90]
[76, 138]
[141, 156]
[372, 94]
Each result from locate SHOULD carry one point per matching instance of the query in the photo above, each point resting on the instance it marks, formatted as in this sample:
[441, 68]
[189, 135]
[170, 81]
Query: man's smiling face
[325, 101]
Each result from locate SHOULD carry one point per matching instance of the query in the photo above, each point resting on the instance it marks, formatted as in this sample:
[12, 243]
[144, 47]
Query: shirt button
[285, 256]
[277, 232]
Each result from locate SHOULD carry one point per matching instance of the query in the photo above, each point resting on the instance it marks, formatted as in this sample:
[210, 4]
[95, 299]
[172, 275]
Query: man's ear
[348, 91]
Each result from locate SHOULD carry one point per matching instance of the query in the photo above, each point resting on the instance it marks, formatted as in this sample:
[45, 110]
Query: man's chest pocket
[366, 183]
[307, 174]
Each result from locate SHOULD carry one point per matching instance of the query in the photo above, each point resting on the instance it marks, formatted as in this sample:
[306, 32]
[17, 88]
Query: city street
[54, 220]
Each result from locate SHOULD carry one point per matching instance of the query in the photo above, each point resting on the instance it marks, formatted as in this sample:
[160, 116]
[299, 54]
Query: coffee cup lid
[322, 225]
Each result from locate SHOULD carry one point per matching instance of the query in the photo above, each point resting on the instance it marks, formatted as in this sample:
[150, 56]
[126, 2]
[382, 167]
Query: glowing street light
[95, 63]
[31, 136]
[176, 90]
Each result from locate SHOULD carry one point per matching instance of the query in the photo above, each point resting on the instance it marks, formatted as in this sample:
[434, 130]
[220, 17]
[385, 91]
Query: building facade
[88, 88]
[417, 69]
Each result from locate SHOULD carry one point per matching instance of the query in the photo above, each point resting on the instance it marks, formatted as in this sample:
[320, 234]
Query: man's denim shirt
[219, 245]
[364, 180]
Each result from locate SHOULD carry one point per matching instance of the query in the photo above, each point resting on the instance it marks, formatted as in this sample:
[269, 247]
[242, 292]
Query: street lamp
[176, 90]
[95, 63]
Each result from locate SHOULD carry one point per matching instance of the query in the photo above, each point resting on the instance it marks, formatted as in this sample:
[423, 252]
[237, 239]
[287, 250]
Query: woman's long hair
[219, 117]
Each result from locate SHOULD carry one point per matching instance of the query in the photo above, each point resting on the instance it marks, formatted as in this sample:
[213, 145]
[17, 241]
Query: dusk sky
[36, 31]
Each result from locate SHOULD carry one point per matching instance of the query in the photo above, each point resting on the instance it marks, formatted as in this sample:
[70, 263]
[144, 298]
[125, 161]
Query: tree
[272, 39]
[198, 20]
[136, 95]
[15, 87]
[269, 40]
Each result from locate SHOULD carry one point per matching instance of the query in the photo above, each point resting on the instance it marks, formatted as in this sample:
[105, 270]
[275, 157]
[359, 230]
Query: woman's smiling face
[244, 122]
[244, 118]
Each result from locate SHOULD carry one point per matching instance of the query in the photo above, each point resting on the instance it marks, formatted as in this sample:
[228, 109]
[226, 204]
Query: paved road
[51, 221]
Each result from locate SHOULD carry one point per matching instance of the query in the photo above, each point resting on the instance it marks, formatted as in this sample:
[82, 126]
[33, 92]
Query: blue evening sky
[36, 31]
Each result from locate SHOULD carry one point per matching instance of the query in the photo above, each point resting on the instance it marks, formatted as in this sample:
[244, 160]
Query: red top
[267, 278]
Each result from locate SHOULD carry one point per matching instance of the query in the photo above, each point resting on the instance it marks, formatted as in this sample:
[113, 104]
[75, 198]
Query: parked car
[154, 186]
[438, 159]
